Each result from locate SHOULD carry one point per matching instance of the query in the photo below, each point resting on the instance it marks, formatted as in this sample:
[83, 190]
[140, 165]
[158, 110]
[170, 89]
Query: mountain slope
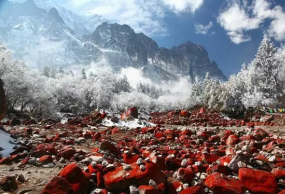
[138, 50]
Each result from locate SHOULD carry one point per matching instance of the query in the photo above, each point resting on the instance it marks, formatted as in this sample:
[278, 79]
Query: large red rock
[67, 153]
[57, 185]
[232, 140]
[219, 183]
[257, 181]
[186, 175]
[279, 173]
[193, 190]
[45, 159]
[130, 158]
[2, 102]
[172, 185]
[120, 180]
[79, 182]
[6, 160]
[160, 161]
[219, 168]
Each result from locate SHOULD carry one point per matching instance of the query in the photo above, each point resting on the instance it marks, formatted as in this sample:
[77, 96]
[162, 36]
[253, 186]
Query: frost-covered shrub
[134, 98]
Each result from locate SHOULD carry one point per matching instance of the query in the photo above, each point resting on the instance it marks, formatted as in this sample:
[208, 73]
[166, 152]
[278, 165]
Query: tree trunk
[3, 107]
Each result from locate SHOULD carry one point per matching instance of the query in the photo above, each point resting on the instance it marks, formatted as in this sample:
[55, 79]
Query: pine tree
[46, 71]
[83, 74]
[263, 87]
[61, 70]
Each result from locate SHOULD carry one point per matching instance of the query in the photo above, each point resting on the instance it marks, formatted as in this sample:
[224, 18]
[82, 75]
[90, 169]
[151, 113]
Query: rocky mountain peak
[53, 13]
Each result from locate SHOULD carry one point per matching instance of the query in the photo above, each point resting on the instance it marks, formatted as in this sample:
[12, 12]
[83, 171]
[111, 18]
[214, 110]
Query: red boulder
[79, 182]
[193, 190]
[57, 185]
[120, 180]
[219, 183]
[257, 181]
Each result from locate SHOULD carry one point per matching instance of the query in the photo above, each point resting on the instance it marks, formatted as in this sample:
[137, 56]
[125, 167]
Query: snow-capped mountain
[42, 33]
[81, 25]
[123, 47]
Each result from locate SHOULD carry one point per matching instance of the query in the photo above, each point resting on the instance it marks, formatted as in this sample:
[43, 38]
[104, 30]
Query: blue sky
[230, 30]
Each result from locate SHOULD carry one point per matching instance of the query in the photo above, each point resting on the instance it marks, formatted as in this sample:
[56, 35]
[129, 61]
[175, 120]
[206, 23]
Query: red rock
[8, 183]
[109, 146]
[100, 180]
[184, 113]
[215, 138]
[79, 182]
[45, 159]
[161, 187]
[219, 168]
[202, 168]
[219, 184]
[6, 160]
[172, 185]
[47, 148]
[160, 161]
[225, 159]
[115, 130]
[130, 158]
[193, 190]
[257, 181]
[119, 180]
[259, 133]
[159, 135]
[210, 158]
[232, 140]
[279, 173]
[18, 157]
[103, 115]
[94, 169]
[202, 111]
[185, 175]
[67, 153]
[145, 189]
[57, 185]
[130, 113]
[39, 153]
[87, 135]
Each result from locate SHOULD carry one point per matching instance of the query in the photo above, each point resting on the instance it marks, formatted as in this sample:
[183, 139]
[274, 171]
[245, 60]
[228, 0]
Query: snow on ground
[6, 143]
[130, 124]
[141, 122]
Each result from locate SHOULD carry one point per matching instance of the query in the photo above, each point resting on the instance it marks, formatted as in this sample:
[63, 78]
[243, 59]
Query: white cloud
[238, 37]
[200, 29]
[239, 17]
[142, 15]
[277, 26]
[183, 5]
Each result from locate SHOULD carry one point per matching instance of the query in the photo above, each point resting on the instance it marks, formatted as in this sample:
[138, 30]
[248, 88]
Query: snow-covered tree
[122, 85]
[262, 83]
[83, 74]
